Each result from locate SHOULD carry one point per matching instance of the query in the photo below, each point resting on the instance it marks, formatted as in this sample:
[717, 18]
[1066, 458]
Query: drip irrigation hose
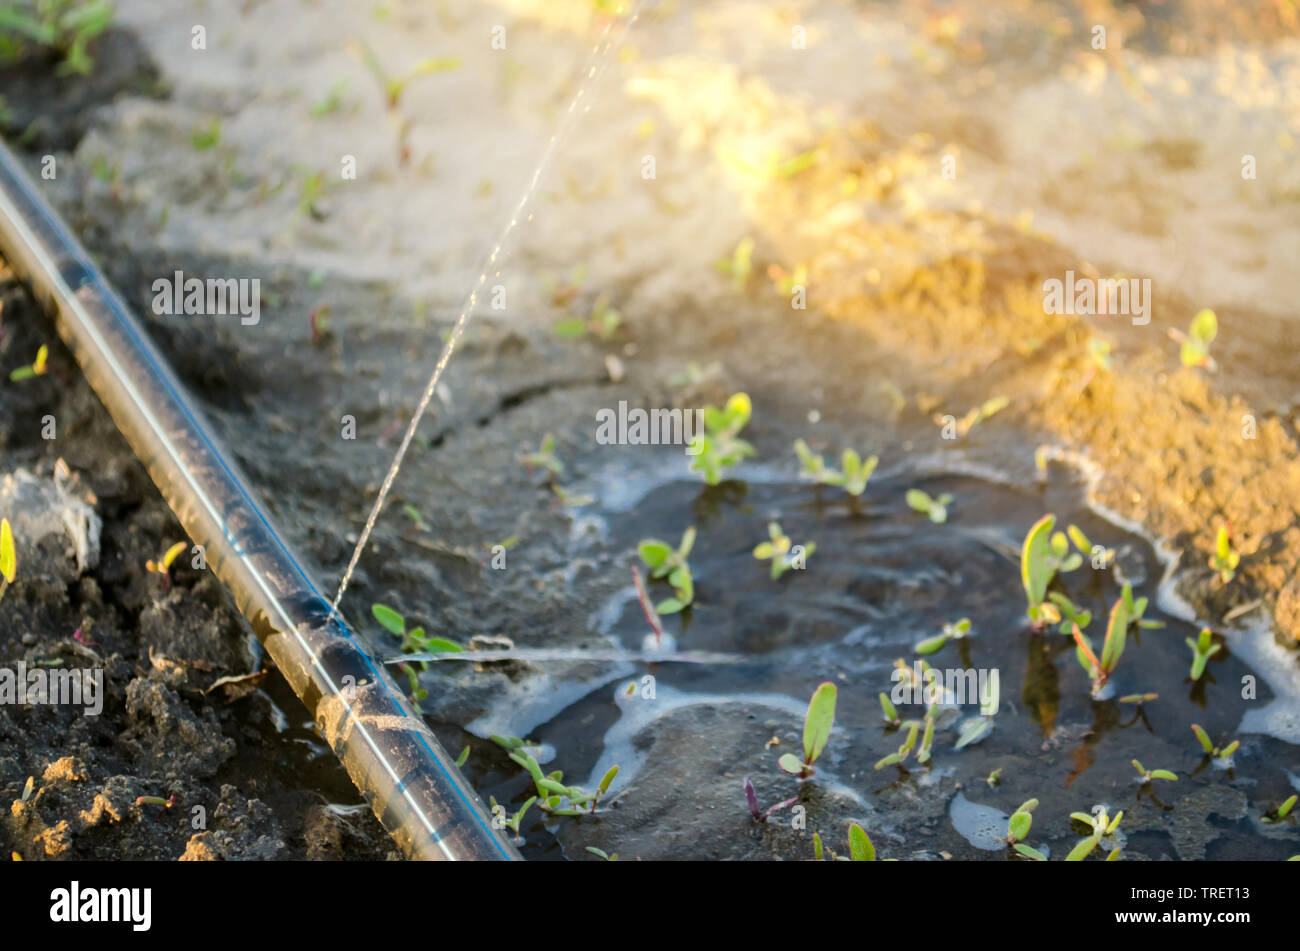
[413, 786]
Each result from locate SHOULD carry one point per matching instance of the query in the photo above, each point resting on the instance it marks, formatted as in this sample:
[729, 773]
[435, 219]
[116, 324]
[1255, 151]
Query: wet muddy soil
[923, 300]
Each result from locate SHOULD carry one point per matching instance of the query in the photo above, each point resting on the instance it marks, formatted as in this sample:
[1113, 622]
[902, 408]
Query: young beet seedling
[817, 724]
[35, 368]
[1203, 648]
[1146, 775]
[975, 416]
[853, 476]
[163, 566]
[951, 632]
[601, 853]
[1102, 826]
[782, 554]
[414, 641]
[1283, 811]
[860, 847]
[720, 446]
[603, 322]
[1112, 648]
[543, 458]
[664, 561]
[1212, 751]
[1018, 826]
[8, 559]
[1225, 558]
[757, 811]
[1196, 342]
[935, 508]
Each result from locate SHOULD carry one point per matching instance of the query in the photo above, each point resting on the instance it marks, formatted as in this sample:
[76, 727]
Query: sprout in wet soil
[720, 447]
[1222, 756]
[164, 564]
[1196, 342]
[860, 847]
[954, 631]
[816, 732]
[1203, 648]
[935, 508]
[1146, 775]
[1101, 669]
[664, 561]
[36, 368]
[1225, 558]
[852, 476]
[779, 550]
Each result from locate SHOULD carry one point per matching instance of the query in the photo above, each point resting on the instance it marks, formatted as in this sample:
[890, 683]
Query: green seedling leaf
[1285, 809]
[607, 779]
[8, 558]
[888, 709]
[1082, 850]
[1164, 774]
[1028, 852]
[1035, 574]
[1204, 738]
[972, 731]
[818, 721]
[932, 645]
[393, 622]
[860, 847]
[789, 763]
[1116, 633]
[1018, 826]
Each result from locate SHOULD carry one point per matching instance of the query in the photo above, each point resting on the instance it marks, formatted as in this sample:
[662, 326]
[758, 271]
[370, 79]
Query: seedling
[601, 853]
[860, 847]
[66, 26]
[463, 757]
[1020, 821]
[8, 559]
[332, 102]
[720, 446]
[1139, 698]
[904, 750]
[852, 477]
[1283, 811]
[1042, 555]
[393, 87]
[1071, 614]
[1100, 670]
[889, 710]
[555, 798]
[35, 368]
[1146, 775]
[739, 265]
[1135, 608]
[207, 136]
[570, 499]
[163, 566]
[666, 562]
[935, 508]
[1100, 556]
[159, 801]
[953, 631]
[816, 732]
[976, 415]
[1102, 825]
[1210, 749]
[695, 375]
[1196, 342]
[995, 777]
[1203, 648]
[1225, 558]
[781, 552]
[603, 322]
[543, 458]
[414, 641]
[757, 811]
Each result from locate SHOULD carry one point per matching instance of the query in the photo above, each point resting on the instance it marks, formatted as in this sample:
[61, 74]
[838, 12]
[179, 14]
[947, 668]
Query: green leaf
[918, 501]
[1080, 540]
[1163, 774]
[571, 328]
[818, 721]
[889, 760]
[789, 763]
[860, 847]
[972, 731]
[669, 606]
[1018, 826]
[1032, 853]
[1284, 810]
[653, 552]
[1204, 738]
[607, 779]
[1035, 575]
[889, 710]
[1082, 850]
[1116, 633]
[389, 618]
[932, 644]
[440, 645]
[464, 755]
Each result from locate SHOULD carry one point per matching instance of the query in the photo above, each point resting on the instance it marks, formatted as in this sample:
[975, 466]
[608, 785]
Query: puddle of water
[881, 579]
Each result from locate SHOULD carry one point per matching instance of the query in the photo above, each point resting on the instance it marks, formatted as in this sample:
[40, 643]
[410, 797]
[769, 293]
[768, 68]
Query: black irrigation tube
[407, 777]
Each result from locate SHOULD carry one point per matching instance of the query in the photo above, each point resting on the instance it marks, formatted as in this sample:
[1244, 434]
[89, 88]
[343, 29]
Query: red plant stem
[651, 615]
